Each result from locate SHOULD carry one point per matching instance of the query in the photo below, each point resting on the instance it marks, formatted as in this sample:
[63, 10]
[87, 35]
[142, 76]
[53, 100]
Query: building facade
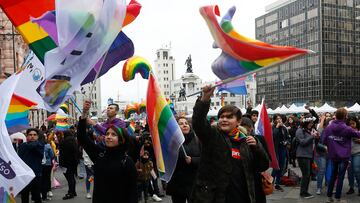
[331, 28]
[12, 48]
[164, 69]
[95, 97]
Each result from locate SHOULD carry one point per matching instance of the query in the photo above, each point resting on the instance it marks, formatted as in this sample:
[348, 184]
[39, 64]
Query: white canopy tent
[354, 108]
[325, 108]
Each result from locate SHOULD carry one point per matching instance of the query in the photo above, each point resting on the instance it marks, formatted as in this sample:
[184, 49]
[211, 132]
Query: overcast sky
[179, 22]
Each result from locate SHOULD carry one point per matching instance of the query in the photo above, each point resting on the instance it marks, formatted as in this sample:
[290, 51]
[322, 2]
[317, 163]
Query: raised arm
[84, 140]
[200, 124]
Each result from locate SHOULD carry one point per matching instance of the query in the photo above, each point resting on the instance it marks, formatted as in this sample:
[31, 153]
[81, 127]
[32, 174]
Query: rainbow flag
[165, 132]
[5, 197]
[35, 21]
[131, 128]
[241, 54]
[237, 86]
[17, 116]
[62, 122]
[263, 128]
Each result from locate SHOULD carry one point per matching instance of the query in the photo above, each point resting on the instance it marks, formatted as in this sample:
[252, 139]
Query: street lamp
[333, 91]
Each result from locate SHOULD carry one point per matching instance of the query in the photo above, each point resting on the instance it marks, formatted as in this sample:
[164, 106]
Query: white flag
[85, 32]
[14, 173]
[31, 78]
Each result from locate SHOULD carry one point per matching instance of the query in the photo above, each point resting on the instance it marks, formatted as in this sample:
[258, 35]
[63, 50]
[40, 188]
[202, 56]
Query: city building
[165, 69]
[331, 28]
[95, 97]
[12, 48]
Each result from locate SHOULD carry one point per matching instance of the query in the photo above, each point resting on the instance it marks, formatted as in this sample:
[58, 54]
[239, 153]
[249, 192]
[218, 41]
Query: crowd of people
[222, 159]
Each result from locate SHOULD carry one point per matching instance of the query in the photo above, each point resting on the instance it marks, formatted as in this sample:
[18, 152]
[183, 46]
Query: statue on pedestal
[182, 94]
[188, 64]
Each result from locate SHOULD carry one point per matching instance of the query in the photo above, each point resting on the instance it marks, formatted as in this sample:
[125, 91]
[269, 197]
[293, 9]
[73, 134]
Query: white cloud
[178, 22]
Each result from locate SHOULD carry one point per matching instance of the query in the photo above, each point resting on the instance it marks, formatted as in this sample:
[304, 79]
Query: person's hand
[207, 92]
[278, 125]
[188, 159]
[90, 122]
[250, 140]
[86, 108]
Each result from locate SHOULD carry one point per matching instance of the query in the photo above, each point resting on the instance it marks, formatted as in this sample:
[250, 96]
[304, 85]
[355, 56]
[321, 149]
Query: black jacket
[69, 153]
[215, 168]
[185, 174]
[114, 172]
[32, 153]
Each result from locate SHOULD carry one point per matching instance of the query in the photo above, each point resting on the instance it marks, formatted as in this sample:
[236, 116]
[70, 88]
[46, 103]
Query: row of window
[225, 102]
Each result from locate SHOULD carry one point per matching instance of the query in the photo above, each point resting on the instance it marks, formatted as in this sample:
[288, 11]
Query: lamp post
[332, 92]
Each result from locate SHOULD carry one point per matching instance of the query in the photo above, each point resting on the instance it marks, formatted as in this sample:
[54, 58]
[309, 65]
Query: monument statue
[188, 64]
[182, 94]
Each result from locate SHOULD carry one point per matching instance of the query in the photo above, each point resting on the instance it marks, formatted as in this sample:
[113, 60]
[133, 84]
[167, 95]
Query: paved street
[290, 194]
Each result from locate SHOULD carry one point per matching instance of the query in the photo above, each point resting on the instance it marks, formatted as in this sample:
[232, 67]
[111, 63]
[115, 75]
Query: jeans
[143, 188]
[281, 157]
[305, 167]
[89, 173]
[338, 170]
[82, 170]
[354, 171]
[321, 163]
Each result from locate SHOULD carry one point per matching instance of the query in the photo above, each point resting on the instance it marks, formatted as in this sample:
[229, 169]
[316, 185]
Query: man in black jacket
[69, 159]
[227, 166]
[32, 152]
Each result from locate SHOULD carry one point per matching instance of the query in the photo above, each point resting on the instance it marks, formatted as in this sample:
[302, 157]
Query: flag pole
[98, 73]
[222, 82]
[182, 147]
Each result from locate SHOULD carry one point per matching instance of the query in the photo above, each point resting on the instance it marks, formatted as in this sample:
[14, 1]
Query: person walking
[46, 172]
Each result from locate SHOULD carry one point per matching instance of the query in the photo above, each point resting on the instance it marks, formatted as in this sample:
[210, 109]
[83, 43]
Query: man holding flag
[227, 167]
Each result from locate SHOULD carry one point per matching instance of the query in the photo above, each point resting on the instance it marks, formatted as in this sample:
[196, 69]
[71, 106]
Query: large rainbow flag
[35, 21]
[17, 116]
[237, 86]
[165, 132]
[241, 54]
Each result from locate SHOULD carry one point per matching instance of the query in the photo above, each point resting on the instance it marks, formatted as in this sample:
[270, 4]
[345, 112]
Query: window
[284, 23]
[312, 13]
[232, 95]
[297, 19]
[271, 18]
[271, 28]
[165, 55]
[260, 22]
[217, 104]
[233, 103]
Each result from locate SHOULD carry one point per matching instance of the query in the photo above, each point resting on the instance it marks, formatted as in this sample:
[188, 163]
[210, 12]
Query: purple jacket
[337, 137]
[101, 128]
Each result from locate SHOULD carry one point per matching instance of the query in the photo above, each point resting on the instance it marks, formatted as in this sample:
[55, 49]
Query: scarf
[236, 135]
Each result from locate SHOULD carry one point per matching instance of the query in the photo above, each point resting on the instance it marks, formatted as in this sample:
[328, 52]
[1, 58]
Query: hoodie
[337, 137]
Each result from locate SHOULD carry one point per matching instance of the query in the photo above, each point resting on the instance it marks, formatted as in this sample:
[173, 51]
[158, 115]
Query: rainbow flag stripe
[19, 12]
[5, 197]
[133, 65]
[247, 54]
[165, 132]
[237, 86]
[131, 128]
[17, 116]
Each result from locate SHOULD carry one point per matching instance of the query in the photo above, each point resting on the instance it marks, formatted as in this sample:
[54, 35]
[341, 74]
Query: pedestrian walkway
[292, 194]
